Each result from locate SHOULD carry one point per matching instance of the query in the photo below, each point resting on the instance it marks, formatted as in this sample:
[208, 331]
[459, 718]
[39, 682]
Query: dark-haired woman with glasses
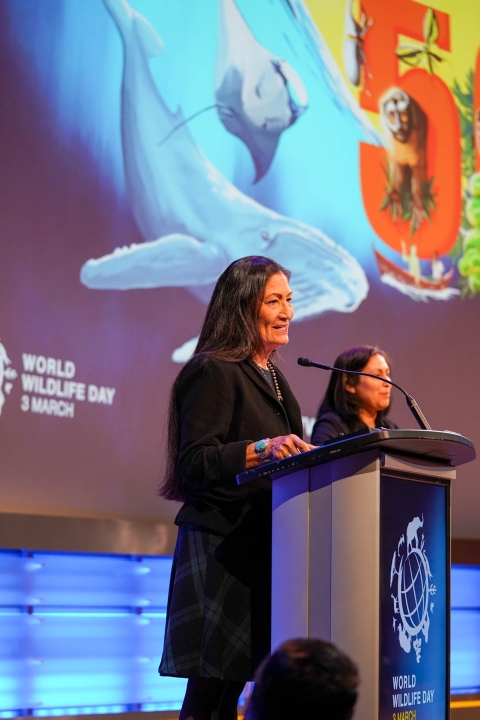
[353, 402]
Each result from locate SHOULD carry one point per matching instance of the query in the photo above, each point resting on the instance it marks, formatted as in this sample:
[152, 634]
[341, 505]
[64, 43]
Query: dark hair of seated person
[304, 678]
[337, 398]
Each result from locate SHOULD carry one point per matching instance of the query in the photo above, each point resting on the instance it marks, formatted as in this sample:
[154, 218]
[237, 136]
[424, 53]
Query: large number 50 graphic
[393, 24]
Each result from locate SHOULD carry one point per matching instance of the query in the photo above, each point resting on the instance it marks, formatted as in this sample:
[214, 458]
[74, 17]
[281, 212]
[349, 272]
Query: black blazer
[223, 407]
[330, 425]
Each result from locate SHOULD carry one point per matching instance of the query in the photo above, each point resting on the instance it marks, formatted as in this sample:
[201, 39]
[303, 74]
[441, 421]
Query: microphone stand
[412, 404]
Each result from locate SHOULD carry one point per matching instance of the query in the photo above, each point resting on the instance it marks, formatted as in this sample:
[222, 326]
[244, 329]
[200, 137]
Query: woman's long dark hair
[230, 332]
[337, 398]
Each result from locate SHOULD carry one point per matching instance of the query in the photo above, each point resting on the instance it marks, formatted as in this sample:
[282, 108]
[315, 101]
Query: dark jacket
[223, 407]
[329, 425]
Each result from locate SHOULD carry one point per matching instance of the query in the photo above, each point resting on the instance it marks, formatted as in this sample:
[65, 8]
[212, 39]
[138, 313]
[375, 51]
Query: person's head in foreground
[304, 678]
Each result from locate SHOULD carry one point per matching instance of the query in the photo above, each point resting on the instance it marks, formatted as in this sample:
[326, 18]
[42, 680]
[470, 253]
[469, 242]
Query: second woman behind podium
[353, 402]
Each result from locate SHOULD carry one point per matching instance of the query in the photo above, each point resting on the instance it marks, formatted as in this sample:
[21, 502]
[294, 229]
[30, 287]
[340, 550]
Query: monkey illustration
[405, 129]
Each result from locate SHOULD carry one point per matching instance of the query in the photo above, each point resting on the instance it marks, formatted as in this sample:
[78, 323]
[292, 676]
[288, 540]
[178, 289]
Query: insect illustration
[354, 58]
[416, 55]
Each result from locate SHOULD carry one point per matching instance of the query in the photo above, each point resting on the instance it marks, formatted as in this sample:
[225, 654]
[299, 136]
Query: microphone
[412, 404]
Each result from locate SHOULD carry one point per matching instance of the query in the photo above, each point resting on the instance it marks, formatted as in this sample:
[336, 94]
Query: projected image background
[146, 145]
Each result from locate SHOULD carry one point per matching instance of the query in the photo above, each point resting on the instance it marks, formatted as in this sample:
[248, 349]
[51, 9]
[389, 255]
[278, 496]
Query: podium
[361, 558]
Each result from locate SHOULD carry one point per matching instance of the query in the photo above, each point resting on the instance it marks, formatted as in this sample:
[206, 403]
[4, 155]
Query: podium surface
[361, 557]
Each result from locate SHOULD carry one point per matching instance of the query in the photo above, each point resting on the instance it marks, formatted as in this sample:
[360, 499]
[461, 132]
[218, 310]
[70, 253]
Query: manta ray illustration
[194, 221]
[258, 94]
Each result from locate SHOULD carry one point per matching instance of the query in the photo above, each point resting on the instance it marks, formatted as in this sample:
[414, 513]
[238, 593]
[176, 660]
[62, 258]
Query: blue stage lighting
[83, 634]
[465, 630]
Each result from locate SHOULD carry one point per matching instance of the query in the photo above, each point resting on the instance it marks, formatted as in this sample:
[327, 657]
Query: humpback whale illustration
[258, 94]
[193, 220]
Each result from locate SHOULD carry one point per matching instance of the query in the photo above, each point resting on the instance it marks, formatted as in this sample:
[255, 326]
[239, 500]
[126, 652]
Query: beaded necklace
[273, 374]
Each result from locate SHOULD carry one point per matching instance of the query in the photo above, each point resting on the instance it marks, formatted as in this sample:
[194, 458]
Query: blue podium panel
[414, 599]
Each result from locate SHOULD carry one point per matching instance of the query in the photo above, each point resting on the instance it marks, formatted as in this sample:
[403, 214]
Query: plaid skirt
[218, 615]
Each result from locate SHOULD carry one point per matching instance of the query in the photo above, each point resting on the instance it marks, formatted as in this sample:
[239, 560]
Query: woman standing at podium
[231, 409]
[353, 402]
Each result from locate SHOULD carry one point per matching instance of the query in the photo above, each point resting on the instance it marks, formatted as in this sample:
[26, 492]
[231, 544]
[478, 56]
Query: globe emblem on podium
[413, 591]
[411, 577]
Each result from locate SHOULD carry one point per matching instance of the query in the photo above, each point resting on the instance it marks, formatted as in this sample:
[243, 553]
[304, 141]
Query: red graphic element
[391, 20]
[443, 163]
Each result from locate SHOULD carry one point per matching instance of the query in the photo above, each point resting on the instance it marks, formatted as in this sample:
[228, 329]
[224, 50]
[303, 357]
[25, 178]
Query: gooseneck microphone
[412, 404]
